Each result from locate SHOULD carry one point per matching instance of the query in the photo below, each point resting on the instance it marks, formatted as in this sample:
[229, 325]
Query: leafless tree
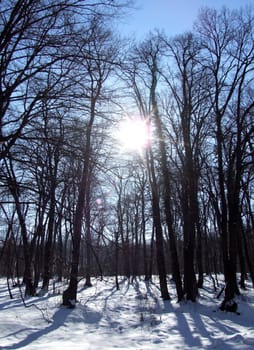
[227, 42]
[94, 65]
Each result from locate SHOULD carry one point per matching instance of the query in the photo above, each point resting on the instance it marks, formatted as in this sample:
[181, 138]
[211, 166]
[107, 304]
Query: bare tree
[227, 41]
[145, 59]
[94, 64]
[187, 129]
[37, 37]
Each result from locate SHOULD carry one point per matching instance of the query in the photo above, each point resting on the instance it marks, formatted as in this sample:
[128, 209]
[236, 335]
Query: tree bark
[158, 232]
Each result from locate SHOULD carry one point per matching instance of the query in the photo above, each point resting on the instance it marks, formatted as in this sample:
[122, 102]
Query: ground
[135, 317]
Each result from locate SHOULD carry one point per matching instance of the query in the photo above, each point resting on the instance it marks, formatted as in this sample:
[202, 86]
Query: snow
[135, 317]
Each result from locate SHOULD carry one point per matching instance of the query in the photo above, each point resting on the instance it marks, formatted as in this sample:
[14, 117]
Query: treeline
[135, 260]
[71, 203]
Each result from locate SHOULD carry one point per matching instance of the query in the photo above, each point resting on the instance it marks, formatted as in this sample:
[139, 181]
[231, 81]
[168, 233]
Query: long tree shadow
[17, 302]
[183, 325]
[184, 329]
[57, 321]
[111, 289]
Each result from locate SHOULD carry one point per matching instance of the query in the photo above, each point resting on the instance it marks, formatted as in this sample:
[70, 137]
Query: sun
[133, 134]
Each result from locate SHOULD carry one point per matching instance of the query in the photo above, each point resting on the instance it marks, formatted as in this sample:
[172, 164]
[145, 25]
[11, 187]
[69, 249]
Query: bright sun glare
[133, 134]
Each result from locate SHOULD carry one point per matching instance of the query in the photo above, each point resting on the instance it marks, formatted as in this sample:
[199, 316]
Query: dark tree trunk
[158, 232]
[48, 253]
[250, 227]
[151, 257]
[248, 258]
[117, 259]
[190, 217]
[169, 221]
[27, 248]
[231, 282]
[167, 185]
[190, 284]
[241, 256]
[160, 250]
[228, 260]
[143, 233]
[200, 255]
[70, 294]
[88, 242]
[59, 252]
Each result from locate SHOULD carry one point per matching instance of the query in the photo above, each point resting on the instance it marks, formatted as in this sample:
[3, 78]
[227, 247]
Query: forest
[121, 157]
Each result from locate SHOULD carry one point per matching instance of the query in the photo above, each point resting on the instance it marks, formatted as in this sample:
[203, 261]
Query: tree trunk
[241, 256]
[199, 253]
[70, 294]
[88, 240]
[160, 250]
[158, 232]
[143, 233]
[117, 259]
[48, 254]
[167, 185]
[231, 283]
[190, 284]
[28, 253]
[248, 258]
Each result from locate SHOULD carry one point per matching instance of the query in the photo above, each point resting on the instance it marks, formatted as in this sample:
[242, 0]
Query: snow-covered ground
[134, 317]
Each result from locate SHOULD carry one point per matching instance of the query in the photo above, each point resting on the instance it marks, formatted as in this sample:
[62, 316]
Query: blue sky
[174, 16]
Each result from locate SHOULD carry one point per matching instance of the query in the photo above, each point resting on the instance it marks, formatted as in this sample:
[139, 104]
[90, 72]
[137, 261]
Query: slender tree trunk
[70, 294]
[167, 186]
[199, 250]
[48, 254]
[158, 232]
[117, 259]
[88, 242]
[27, 249]
[231, 283]
[241, 254]
[223, 217]
[143, 233]
[160, 250]
[190, 284]
[248, 258]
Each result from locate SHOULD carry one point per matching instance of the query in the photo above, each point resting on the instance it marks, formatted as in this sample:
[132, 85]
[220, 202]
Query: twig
[33, 305]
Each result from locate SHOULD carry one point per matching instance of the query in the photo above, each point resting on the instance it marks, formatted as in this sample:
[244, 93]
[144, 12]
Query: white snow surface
[134, 317]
